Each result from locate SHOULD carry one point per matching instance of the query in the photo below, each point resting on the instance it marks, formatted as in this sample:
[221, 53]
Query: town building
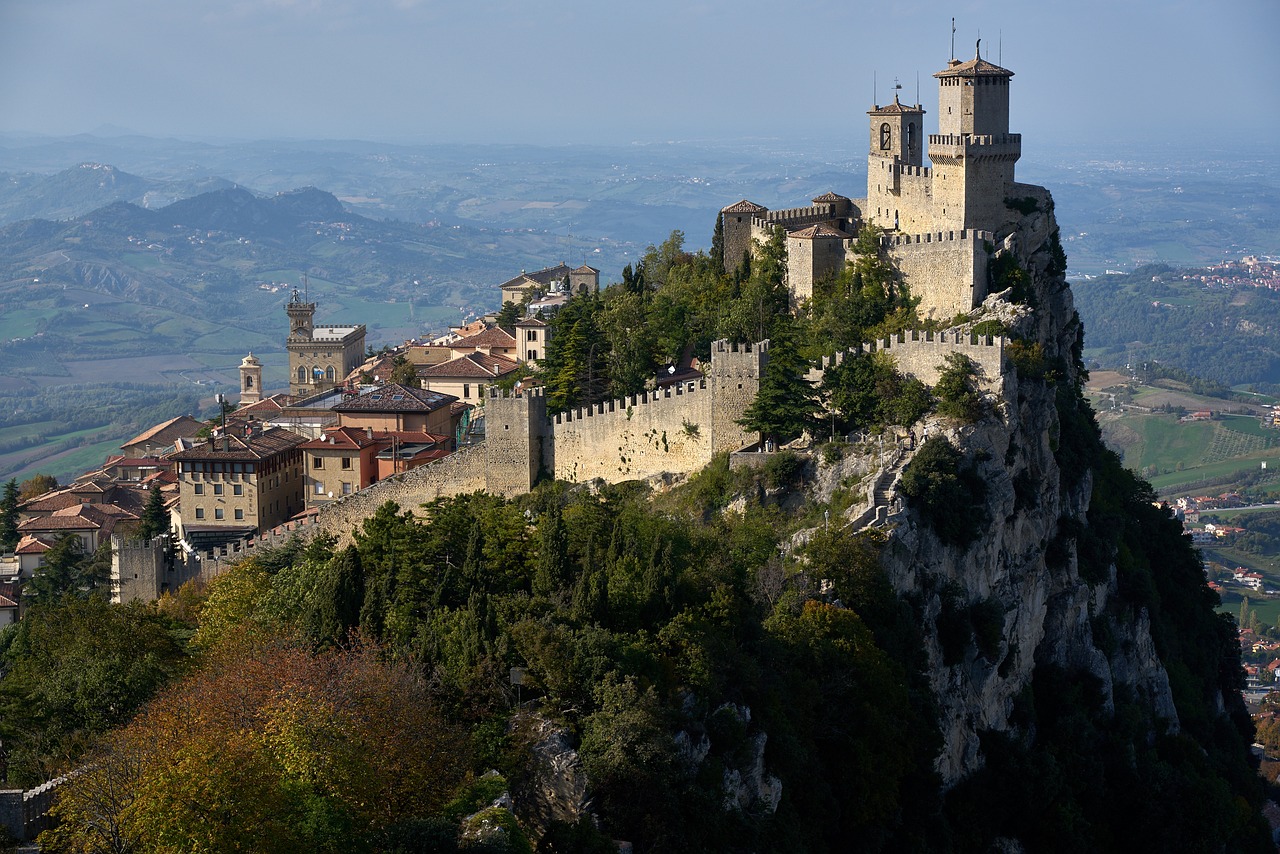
[320, 357]
[234, 484]
[395, 407]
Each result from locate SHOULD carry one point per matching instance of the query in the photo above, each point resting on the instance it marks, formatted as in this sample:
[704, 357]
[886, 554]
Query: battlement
[724, 345]
[969, 234]
[631, 402]
[922, 353]
[792, 217]
[971, 140]
[503, 394]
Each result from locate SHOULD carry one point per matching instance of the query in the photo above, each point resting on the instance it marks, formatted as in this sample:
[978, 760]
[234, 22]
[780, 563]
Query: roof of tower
[897, 107]
[744, 206]
[830, 196]
[816, 232]
[976, 67]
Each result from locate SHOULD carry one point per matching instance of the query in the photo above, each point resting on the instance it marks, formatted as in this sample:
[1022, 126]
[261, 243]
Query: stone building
[558, 279]
[250, 380]
[938, 219]
[232, 485]
[320, 357]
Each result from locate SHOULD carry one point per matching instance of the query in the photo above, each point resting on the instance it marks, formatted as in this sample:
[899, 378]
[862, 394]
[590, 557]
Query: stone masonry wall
[668, 430]
[947, 270]
[920, 354]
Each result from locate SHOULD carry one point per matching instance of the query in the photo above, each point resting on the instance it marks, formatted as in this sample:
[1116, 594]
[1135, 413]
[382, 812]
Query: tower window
[886, 136]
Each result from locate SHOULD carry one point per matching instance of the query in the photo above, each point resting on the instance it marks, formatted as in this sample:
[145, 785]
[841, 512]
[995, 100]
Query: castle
[937, 220]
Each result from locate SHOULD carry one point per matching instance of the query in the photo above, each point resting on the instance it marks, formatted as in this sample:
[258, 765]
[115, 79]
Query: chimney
[368, 432]
[226, 442]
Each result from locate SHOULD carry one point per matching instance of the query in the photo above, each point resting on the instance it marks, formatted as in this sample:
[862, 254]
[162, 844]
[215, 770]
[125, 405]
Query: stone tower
[734, 381]
[301, 316]
[736, 221]
[973, 153]
[896, 197]
[250, 380]
[517, 444]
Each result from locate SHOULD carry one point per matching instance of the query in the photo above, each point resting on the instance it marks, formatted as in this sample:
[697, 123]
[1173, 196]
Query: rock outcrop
[1050, 612]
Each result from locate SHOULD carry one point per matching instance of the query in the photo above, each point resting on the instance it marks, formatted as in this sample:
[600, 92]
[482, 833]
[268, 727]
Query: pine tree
[717, 243]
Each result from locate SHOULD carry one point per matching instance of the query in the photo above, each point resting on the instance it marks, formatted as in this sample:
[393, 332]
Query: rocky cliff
[1045, 604]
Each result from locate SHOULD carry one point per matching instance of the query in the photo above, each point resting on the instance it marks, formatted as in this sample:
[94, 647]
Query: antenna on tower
[953, 39]
[917, 87]
[306, 288]
[875, 92]
[1000, 47]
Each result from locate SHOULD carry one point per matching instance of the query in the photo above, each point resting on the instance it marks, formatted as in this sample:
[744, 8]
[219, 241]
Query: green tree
[73, 670]
[763, 304]
[785, 405]
[68, 571]
[510, 315]
[155, 518]
[9, 516]
[957, 389]
[404, 372]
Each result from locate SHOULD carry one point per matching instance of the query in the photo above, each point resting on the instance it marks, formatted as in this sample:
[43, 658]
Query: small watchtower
[301, 316]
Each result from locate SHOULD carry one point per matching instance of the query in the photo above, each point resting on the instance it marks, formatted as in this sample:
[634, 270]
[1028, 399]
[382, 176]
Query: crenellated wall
[946, 269]
[668, 430]
[922, 355]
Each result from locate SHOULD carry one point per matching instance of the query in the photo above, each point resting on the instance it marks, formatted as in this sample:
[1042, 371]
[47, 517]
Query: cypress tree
[9, 516]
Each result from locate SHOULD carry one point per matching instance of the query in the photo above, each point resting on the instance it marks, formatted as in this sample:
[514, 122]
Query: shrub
[948, 493]
[957, 389]
[1025, 205]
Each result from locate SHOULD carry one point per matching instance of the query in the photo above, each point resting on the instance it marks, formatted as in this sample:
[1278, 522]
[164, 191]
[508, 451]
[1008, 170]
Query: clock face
[886, 136]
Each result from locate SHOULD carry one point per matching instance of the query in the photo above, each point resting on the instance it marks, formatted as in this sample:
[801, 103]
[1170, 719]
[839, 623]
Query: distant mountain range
[74, 191]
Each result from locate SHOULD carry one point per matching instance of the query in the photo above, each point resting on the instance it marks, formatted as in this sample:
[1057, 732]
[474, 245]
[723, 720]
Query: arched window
[886, 136]
[248, 382]
[911, 136]
[302, 374]
[328, 374]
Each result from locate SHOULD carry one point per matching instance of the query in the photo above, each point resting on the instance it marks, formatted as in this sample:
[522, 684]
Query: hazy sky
[561, 71]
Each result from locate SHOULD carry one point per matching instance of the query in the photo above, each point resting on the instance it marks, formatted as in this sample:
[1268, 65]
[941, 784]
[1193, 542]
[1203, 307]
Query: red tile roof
[494, 336]
[976, 67]
[163, 434]
[815, 232]
[743, 206]
[394, 397]
[896, 107]
[470, 366]
[232, 447]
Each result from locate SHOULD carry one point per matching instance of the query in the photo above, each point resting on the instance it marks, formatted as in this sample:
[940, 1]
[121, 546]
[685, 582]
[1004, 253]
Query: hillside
[1225, 332]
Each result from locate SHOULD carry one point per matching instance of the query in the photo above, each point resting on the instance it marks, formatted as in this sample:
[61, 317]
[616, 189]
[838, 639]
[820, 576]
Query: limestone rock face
[1050, 612]
[556, 790]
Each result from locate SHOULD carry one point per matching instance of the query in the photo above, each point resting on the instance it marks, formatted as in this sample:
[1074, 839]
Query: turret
[736, 222]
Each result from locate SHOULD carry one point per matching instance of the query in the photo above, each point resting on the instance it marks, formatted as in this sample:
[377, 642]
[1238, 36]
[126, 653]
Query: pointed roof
[830, 196]
[394, 397]
[898, 107]
[480, 366]
[585, 269]
[531, 321]
[976, 67]
[818, 232]
[494, 336]
[744, 206]
[184, 426]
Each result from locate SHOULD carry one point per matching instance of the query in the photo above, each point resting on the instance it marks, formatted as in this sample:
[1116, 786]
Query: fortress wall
[906, 191]
[460, 472]
[792, 217]
[921, 354]
[138, 569]
[668, 430]
[947, 270]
